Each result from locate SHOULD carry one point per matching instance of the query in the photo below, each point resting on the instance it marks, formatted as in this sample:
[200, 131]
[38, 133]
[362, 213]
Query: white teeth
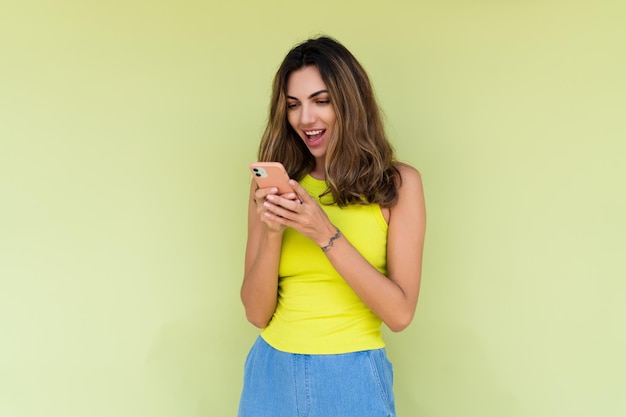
[313, 132]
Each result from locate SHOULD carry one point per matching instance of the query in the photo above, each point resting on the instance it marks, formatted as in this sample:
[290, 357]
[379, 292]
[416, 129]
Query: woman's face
[310, 111]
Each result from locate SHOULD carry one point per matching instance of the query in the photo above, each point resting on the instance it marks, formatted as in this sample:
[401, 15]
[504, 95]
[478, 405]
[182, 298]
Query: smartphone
[271, 174]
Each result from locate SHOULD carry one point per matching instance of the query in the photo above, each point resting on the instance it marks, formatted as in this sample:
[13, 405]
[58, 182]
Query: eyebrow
[315, 94]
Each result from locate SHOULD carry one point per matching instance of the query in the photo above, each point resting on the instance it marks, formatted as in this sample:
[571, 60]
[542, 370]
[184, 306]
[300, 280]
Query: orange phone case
[271, 174]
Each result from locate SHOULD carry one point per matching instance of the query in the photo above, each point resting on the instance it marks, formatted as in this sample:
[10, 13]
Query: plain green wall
[125, 131]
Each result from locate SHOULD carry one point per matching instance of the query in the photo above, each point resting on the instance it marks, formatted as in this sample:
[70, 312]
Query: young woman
[327, 264]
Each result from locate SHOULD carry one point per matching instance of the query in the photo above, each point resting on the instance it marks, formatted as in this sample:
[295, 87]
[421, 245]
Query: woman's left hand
[306, 216]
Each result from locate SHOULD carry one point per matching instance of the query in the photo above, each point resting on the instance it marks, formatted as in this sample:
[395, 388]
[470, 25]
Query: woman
[327, 264]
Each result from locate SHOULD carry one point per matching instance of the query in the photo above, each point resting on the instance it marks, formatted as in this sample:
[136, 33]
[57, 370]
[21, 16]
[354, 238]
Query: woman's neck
[318, 174]
[319, 170]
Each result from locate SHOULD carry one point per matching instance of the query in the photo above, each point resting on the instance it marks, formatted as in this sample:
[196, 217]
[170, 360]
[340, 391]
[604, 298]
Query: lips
[314, 137]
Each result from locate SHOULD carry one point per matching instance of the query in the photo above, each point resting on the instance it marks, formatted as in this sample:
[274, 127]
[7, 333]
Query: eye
[323, 101]
[292, 105]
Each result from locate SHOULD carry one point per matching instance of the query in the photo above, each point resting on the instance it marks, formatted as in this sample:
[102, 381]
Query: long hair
[360, 165]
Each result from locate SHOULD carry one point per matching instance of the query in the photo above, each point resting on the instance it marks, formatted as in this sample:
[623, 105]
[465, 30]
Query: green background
[126, 128]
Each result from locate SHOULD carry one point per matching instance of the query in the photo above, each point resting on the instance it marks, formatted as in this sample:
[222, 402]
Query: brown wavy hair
[360, 164]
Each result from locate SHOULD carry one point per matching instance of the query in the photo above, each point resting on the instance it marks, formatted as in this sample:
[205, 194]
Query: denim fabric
[280, 384]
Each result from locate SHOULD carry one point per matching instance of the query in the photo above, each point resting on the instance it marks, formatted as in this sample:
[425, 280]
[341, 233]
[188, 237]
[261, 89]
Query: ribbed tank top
[317, 311]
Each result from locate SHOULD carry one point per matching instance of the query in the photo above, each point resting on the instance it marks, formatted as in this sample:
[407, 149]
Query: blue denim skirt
[280, 384]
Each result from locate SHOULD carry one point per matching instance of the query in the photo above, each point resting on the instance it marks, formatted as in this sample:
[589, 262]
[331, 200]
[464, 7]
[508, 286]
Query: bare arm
[259, 290]
[394, 297]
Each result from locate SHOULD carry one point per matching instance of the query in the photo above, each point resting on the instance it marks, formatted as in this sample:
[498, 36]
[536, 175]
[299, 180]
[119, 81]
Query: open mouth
[313, 135]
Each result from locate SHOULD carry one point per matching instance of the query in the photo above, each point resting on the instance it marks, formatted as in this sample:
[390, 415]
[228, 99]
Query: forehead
[305, 81]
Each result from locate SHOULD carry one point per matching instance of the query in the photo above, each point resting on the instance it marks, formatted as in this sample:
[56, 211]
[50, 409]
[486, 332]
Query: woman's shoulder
[408, 172]
[410, 201]
[410, 187]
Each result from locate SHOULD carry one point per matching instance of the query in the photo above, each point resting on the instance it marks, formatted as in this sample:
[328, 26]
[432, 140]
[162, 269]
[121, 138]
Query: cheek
[332, 119]
[330, 115]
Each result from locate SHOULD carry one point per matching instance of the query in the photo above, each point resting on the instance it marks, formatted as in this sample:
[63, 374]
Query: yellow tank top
[317, 311]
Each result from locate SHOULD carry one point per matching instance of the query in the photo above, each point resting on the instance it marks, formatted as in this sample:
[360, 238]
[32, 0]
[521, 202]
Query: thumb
[302, 194]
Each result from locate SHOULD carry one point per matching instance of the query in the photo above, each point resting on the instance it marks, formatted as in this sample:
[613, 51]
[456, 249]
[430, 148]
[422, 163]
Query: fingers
[286, 208]
[261, 194]
[282, 207]
[302, 194]
[290, 196]
[299, 193]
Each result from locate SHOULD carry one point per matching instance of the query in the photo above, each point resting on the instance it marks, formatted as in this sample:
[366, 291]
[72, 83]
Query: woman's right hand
[263, 205]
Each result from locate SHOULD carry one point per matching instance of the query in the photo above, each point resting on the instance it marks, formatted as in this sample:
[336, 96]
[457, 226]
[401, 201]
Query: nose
[308, 115]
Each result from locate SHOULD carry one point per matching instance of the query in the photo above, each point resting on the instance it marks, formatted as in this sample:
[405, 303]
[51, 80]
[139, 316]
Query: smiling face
[310, 112]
